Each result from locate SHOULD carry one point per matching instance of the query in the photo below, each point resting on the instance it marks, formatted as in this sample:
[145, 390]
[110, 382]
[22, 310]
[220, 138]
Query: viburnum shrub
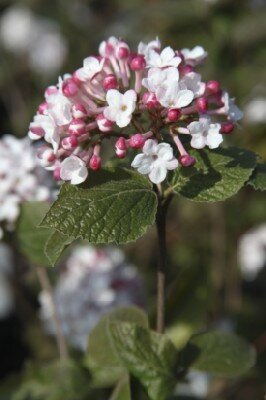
[161, 126]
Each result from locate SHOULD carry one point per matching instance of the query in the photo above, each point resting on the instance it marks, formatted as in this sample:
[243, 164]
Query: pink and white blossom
[155, 160]
[120, 106]
[194, 56]
[127, 99]
[204, 133]
[73, 169]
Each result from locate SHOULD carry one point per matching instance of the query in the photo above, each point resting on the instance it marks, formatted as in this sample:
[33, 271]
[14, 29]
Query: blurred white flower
[18, 27]
[6, 292]
[196, 385]
[23, 32]
[252, 252]
[255, 111]
[91, 283]
[48, 52]
[18, 179]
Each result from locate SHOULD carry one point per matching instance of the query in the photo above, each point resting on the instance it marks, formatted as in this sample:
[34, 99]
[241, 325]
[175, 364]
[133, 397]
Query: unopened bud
[110, 82]
[46, 156]
[79, 111]
[104, 124]
[136, 141]
[227, 128]
[213, 87]
[121, 143]
[150, 100]
[70, 142]
[173, 114]
[202, 104]
[77, 127]
[187, 161]
[70, 88]
[138, 63]
[43, 107]
[122, 51]
[95, 162]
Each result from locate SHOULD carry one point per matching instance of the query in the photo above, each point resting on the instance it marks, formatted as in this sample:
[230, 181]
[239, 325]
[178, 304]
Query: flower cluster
[91, 283]
[150, 101]
[18, 179]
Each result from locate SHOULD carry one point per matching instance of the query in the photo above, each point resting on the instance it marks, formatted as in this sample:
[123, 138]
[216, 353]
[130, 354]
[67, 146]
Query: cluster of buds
[135, 99]
[91, 283]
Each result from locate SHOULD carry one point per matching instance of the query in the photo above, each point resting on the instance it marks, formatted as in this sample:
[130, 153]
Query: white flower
[59, 108]
[155, 160]
[167, 58]
[255, 111]
[234, 113]
[192, 81]
[120, 106]
[46, 124]
[158, 77]
[144, 48]
[91, 67]
[205, 133]
[174, 96]
[194, 56]
[252, 252]
[73, 169]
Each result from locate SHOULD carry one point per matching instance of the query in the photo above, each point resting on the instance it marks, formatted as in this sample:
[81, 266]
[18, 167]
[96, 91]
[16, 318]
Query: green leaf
[115, 211]
[148, 356]
[55, 245]
[54, 382]
[258, 178]
[219, 353]
[31, 238]
[105, 365]
[217, 175]
[187, 304]
[122, 390]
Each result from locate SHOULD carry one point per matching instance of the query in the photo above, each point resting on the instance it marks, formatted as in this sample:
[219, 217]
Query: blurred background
[217, 252]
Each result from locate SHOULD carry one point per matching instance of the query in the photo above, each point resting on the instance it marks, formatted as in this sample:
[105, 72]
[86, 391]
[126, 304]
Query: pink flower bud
[95, 162]
[138, 63]
[121, 143]
[173, 114]
[122, 51]
[76, 78]
[46, 156]
[202, 104]
[110, 82]
[186, 69]
[213, 87]
[70, 142]
[227, 128]
[50, 90]
[36, 131]
[57, 174]
[104, 124]
[70, 88]
[79, 111]
[43, 107]
[120, 153]
[187, 161]
[150, 100]
[136, 141]
[77, 127]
